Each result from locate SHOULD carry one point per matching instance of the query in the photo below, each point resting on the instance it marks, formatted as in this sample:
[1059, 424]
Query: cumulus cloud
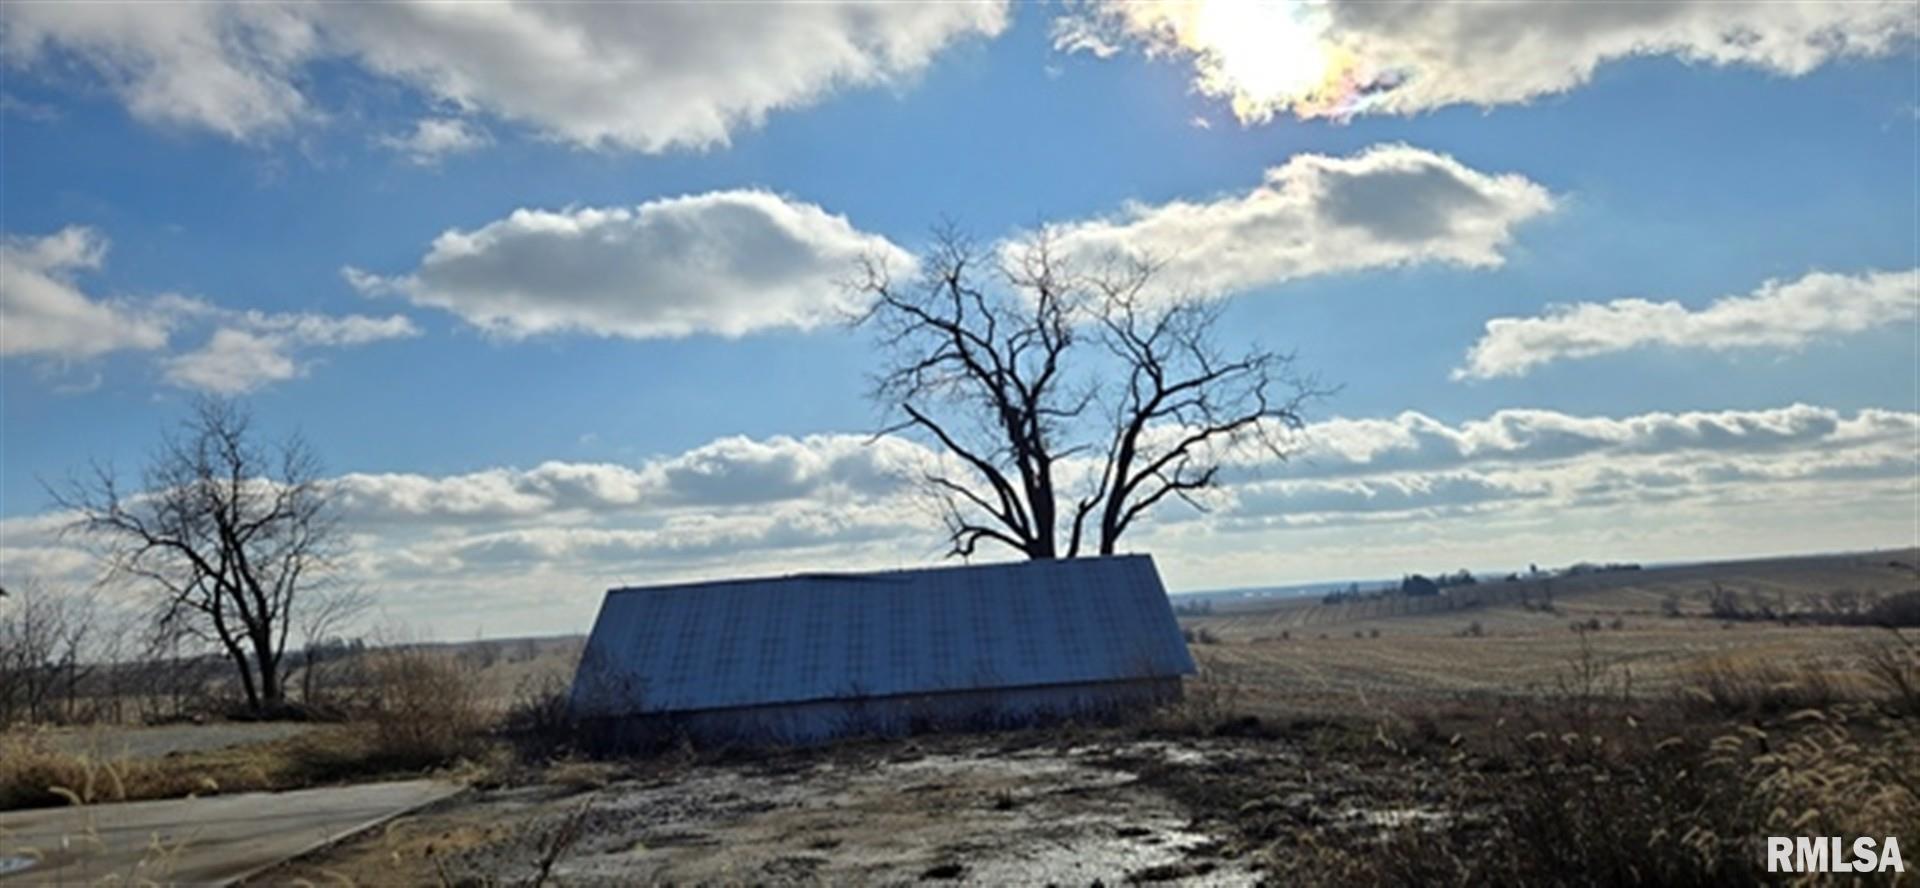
[647, 77]
[1413, 466]
[545, 540]
[725, 262]
[1386, 206]
[1346, 57]
[1415, 442]
[1778, 314]
[254, 349]
[725, 473]
[232, 362]
[225, 67]
[43, 311]
[250, 349]
[434, 138]
[44, 314]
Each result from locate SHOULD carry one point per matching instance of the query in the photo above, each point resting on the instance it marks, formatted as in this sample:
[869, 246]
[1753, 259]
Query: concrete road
[207, 841]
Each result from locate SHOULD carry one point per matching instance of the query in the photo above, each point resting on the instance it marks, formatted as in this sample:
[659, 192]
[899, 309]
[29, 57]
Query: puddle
[13, 864]
[1021, 817]
[1394, 818]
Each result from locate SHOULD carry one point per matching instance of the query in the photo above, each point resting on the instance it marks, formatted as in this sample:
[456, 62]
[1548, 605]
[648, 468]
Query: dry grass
[1893, 664]
[1655, 791]
[421, 714]
[1743, 686]
[1652, 624]
[37, 773]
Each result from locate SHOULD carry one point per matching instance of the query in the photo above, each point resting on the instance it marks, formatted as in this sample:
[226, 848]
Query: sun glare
[1267, 57]
[1265, 49]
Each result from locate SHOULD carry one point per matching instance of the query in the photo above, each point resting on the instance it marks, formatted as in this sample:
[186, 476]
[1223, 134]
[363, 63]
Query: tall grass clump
[1732, 686]
[1893, 665]
[31, 770]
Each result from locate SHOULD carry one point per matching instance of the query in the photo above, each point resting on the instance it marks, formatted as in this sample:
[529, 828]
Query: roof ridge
[893, 574]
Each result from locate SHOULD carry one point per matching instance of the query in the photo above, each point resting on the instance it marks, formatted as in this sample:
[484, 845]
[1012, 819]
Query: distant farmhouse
[810, 657]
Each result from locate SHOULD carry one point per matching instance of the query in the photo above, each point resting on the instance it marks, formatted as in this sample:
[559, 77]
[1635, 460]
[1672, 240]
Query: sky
[557, 292]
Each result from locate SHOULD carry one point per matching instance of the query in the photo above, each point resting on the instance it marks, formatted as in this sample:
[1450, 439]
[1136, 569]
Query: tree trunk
[246, 679]
[271, 696]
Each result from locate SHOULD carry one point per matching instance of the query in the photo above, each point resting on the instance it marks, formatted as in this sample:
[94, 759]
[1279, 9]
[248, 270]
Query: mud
[980, 810]
[1035, 816]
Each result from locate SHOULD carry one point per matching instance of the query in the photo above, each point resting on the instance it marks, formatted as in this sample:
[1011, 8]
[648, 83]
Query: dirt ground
[985, 810]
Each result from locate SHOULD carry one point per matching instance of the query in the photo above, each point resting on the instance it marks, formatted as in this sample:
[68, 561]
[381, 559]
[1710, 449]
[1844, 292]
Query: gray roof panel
[829, 636]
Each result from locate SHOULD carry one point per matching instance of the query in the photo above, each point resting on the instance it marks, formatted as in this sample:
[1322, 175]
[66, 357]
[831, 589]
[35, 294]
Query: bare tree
[982, 372]
[320, 619]
[43, 647]
[1071, 401]
[230, 532]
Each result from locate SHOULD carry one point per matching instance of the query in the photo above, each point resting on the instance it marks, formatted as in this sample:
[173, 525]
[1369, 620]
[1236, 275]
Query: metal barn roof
[835, 636]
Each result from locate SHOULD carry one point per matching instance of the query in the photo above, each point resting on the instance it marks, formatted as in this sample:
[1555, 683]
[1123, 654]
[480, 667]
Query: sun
[1270, 51]
[1266, 56]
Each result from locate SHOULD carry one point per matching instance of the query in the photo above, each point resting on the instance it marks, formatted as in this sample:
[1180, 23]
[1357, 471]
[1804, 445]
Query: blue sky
[1696, 169]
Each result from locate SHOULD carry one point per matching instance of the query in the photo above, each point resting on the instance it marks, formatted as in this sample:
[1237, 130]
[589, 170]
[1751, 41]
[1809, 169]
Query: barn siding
[821, 720]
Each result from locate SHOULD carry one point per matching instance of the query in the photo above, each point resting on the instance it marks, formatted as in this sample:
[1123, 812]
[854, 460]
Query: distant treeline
[1419, 585]
[1841, 607]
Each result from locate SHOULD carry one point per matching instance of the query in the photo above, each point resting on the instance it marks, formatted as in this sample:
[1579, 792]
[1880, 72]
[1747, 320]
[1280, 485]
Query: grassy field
[1652, 633]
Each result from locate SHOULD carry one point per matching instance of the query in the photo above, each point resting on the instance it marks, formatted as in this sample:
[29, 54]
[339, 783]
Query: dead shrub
[421, 709]
[1199, 635]
[539, 721]
[1209, 701]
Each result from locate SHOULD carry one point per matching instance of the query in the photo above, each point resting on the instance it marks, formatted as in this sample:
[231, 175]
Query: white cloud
[733, 472]
[45, 315]
[225, 67]
[232, 362]
[1346, 57]
[1414, 442]
[726, 262]
[434, 138]
[253, 349]
[648, 77]
[1368, 497]
[1776, 315]
[43, 311]
[1388, 205]
[1544, 466]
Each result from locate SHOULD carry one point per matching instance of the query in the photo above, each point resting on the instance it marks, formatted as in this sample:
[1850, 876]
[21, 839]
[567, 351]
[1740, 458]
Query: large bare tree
[233, 535]
[1071, 400]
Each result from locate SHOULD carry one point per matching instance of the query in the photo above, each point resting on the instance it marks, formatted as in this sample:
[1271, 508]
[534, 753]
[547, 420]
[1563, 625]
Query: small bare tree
[231, 533]
[1072, 402]
[320, 620]
[43, 654]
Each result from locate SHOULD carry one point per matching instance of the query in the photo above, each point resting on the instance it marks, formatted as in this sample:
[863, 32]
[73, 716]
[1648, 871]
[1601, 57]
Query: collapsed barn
[810, 657]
